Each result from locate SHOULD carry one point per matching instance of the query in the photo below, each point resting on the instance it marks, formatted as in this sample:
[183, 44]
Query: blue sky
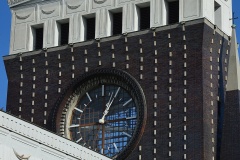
[5, 18]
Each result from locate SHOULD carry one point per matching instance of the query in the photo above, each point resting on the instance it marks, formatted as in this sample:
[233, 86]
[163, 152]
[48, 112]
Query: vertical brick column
[185, 86]
[21, 86]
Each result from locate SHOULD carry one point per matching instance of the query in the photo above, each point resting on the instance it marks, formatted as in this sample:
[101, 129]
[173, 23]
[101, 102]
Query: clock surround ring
[107, 76]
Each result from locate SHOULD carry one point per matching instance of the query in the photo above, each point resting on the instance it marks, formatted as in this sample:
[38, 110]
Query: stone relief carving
[21, 157]
[47, 12]
[22, 16]
[99, 1]
[73, 4]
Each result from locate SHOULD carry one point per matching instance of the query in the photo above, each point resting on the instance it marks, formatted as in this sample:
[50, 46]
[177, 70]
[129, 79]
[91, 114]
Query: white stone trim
[29, 139]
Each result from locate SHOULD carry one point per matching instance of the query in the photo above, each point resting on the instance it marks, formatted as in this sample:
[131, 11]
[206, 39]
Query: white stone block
[76, 6]
[49, 10]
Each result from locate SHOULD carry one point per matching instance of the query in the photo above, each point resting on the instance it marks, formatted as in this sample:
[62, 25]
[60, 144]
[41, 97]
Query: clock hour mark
[79, 140]
[127, 102]
[79, 110]
[115, 146]
[102, 151]
[74, 125]
[126, 134]
[89, 97]
[134, 117]
[120, 99]
[85, 105]
[102, 90]
[96, 95]
[116, 92]
[78, 132]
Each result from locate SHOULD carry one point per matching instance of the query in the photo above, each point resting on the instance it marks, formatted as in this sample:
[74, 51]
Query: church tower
[129, 79]
[231, 122]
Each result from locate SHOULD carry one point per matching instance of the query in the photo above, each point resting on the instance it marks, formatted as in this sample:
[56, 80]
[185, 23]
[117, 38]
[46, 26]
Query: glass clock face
[104, 110]
[104, 119]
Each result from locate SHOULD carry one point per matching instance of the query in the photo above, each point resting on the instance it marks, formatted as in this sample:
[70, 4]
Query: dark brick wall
[231, 128]
[198, 99]
[214, 54]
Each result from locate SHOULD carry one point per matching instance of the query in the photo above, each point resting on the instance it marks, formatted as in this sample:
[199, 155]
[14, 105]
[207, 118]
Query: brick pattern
[231, 128]
[215, 60]
[173, 67]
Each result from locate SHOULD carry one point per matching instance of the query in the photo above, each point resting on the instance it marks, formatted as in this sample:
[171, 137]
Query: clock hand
[106, 110]
[111, 103]
[108, 105]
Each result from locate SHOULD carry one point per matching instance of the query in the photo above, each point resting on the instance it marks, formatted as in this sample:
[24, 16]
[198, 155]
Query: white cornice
[29, 139]
[13, 3]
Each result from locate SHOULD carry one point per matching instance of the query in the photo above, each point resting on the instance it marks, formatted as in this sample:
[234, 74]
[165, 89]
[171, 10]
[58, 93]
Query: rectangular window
[116, 23]
[90, 28]
[64, 33]
[143, 14]
[144, 21]
[218, 15]
[36, 37]
[173, 12]
[39, 38]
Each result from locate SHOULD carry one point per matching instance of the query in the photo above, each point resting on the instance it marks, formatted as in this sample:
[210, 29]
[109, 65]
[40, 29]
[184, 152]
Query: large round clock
[106, 112]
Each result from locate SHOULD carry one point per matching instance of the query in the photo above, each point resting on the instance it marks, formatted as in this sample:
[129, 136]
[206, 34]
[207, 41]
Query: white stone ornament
[100, 1]
[22, 16]
[73, 7]
[21, 157]
[72, 4]
[48, 12]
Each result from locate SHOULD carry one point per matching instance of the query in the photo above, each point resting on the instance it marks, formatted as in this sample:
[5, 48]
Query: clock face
[104, 119]
[105, 112]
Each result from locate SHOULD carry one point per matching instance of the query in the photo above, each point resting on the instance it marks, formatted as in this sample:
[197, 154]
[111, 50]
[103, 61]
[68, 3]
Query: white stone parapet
[20, 138]
[27, 15]
[14, 2]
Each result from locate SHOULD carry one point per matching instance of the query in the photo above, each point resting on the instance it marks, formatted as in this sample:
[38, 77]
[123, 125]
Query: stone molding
[14, 2]
[18, 134]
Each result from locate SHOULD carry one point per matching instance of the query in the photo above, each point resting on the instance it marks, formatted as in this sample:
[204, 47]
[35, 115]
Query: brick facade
[183, 61]
[231, 128]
